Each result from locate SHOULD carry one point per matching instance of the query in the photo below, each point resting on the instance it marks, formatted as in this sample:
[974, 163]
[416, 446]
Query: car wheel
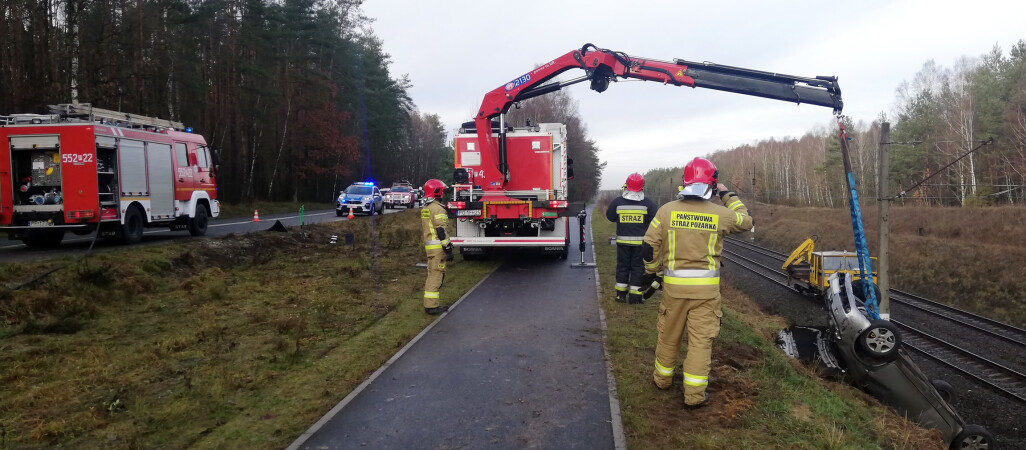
[338, 212]
[198, 224]
[132, 229]
[973, 437]
[881, 340]
[945, 389]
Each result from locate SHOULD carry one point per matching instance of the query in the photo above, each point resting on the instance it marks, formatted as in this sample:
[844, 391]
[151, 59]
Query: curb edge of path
[619, 439]
[348, 398]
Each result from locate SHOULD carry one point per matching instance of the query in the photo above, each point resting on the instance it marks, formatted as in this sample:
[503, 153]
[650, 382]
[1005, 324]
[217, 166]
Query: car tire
[973, 437]
[945, 389]
[198, 223]
[132, 229]
[338, 212]
[881, 340]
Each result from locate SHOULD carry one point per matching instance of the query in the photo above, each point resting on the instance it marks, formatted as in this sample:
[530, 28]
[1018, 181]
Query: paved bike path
[518, 363]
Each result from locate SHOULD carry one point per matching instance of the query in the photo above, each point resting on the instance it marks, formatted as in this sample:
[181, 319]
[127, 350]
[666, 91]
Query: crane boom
[602, 66]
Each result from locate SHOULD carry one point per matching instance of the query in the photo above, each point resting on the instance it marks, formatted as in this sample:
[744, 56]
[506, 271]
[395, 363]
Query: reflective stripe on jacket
[432, 216]
[687, 239]
[631, 218]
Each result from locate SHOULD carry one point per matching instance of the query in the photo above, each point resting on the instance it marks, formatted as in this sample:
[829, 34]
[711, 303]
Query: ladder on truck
[87, 111]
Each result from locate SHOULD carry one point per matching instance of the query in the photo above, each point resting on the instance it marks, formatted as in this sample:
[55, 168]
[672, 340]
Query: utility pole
[884, 203]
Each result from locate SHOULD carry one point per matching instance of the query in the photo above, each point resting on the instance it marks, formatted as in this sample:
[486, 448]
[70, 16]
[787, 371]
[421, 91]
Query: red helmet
[635, 182]
[433, 188]
[700, 177]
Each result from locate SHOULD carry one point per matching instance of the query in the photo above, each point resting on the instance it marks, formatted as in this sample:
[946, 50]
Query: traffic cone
[350, 217]
[256, 216]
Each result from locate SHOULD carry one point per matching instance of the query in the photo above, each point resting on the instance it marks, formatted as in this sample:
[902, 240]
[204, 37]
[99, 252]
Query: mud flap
[811, 345]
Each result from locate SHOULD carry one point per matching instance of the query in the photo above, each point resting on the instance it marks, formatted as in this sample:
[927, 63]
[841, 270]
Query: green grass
[241, 342]
[760, 398]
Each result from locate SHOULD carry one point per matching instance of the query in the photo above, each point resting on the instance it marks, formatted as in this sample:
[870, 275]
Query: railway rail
[990, 374]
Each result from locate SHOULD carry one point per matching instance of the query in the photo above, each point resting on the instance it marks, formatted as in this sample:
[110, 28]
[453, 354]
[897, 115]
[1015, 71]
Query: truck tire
[973, 437]
[198, 222]
[880, 341]
[45, 239]
[132, 229]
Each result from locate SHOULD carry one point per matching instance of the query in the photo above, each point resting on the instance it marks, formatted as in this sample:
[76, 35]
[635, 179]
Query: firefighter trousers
[435, 275]
[701, 319]
[629, 270]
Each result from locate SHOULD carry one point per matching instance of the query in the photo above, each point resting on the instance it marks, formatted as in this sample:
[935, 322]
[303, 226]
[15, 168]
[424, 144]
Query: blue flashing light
[188, 129]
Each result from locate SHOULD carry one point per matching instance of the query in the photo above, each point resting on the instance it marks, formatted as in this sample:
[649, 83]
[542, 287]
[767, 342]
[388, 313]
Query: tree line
[294, 96]
[940, 115]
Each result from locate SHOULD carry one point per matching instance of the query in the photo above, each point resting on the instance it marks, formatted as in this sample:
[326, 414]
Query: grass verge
[241, 342]
[760, 398]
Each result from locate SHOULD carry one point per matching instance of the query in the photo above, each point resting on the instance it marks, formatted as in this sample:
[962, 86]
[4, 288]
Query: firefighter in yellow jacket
[684, 242]
[434, 223]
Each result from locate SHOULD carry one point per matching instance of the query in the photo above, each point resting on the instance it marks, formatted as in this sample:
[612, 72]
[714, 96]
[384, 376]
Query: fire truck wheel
[44, 239]
[132, 229]
[198, 224]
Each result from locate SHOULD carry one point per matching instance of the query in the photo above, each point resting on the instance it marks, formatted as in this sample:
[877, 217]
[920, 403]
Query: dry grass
[761, 399]
[971, 258]
[240, 342]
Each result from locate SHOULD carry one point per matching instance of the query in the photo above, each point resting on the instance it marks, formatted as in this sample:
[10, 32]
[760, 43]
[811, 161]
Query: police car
[362, 198]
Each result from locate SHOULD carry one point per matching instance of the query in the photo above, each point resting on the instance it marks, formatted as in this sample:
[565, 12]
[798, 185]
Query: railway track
[990, 374]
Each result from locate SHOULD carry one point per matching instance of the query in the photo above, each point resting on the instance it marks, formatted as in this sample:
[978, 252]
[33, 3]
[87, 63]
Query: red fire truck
[527, 211]
[83, 169]
[510, 184]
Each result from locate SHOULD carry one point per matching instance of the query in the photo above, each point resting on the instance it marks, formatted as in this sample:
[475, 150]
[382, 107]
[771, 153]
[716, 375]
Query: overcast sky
[454, 51]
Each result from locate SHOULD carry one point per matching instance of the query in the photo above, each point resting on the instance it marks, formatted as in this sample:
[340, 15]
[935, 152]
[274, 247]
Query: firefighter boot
[621, 292]
[634, 296]
[436, 310]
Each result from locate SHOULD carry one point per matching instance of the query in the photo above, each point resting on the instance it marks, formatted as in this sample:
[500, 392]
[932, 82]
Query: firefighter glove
[448, 252]
[647, 279]
[651, 288]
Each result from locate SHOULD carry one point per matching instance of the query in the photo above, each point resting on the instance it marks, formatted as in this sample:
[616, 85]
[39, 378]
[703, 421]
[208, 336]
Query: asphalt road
[518, 363]
[15, 251]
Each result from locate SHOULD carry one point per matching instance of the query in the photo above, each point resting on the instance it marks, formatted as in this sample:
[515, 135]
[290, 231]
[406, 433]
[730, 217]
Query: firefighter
[685, 241]
[434, 220]
[631, 212]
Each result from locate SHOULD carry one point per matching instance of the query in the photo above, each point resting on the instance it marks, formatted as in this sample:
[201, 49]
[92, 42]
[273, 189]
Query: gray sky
[454, 51]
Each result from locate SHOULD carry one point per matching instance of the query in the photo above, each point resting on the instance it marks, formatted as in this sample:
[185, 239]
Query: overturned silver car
[868, 354]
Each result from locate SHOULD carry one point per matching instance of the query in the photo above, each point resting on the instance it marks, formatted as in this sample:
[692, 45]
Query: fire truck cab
[83, 169]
